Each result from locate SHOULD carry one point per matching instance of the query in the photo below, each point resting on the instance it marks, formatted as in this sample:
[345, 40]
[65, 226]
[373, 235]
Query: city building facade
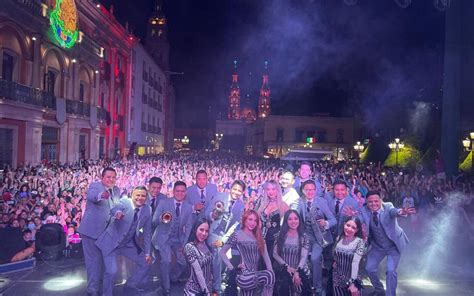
[278, 135]
[146, 112]
[64, 81]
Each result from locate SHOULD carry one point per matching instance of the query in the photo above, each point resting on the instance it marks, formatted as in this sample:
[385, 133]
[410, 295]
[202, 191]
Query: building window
[299, 136]
[7, 67]
[82, 90]
[49, 143]
[339, 135]
[132, 117]
[321, 137]
[50, 84]
[279, 136]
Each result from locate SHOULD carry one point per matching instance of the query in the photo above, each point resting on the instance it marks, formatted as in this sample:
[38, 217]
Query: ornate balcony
[78, 108]
[21, 93]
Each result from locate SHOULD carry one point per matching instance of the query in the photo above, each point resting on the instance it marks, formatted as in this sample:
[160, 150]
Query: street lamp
[185, 140]
[396, 146]
[218, 140]
[359, 148]
[468, 144]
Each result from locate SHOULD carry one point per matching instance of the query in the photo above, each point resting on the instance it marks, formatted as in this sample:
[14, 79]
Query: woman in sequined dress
[199, 257]
[271, 208]
[291, 252]
[348, 251]
[251, 246]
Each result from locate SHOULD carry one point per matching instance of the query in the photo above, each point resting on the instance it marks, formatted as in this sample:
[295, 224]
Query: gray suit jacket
[182, 224]
[319, 207]
[223, 227]
[113, 236]
[159, 198]
[388, 220]
[97, 213]
[193, 195]
[348, 202]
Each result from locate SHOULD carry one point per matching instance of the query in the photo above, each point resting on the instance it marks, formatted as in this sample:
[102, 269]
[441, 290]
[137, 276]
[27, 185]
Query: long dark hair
[284, 231]
[359, 232]
[192, 236]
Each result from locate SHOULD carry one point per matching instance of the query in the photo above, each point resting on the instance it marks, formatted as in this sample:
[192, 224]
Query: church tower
[264, 99]
[156, 41]
[234, 97]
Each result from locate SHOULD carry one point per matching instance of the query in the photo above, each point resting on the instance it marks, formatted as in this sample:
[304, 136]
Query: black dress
[347, 258]
[200, 261]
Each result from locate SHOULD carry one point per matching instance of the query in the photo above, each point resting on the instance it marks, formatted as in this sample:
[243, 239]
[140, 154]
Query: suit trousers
[165, 265]
[216, 270]
[94, 263]
[374, 257]
[316, 262]
[140, 272]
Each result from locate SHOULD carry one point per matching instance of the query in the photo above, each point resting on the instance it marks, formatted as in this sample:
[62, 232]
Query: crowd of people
[273, 226]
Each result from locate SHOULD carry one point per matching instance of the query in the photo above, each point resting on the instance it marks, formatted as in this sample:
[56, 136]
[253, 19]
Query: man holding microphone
[101, 198]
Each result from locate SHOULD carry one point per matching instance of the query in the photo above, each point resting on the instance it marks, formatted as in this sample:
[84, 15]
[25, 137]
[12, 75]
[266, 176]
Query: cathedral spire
[234, 97]
[264, 99]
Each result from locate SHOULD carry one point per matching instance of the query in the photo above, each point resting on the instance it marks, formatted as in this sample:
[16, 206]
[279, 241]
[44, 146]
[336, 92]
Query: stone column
[33, 133]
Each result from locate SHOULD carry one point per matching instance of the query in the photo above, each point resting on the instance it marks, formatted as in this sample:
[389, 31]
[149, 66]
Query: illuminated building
[264, 99]
[157, 44]
[234, 97]
[246, 111]
[147, 116]
[254, 130]
[64, 81]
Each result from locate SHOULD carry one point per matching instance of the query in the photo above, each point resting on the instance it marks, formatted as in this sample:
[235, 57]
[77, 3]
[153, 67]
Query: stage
[67, 277]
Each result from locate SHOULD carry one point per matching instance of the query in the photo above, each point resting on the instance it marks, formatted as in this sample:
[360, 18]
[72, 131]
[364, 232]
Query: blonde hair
[265, 200]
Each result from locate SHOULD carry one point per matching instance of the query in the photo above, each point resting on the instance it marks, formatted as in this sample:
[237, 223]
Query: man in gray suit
[317, 219]
[340, 203]
[173, 220]
[101, 198]
[224, 212]
[200, 194]
[129, 235]
[386, 239]
[154, 194]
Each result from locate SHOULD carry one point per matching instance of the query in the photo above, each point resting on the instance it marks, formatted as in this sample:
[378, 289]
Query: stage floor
[67, 277]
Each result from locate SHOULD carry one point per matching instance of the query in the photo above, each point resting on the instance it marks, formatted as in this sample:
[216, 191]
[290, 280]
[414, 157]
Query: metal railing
[78, 108]
[21, 93]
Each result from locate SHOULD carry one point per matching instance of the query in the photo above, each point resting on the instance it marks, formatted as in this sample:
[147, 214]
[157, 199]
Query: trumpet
[218, 209]
[321, 232]
[166, 217]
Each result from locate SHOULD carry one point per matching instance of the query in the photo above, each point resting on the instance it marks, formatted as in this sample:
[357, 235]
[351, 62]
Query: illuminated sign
[63, 21]
[310, 140]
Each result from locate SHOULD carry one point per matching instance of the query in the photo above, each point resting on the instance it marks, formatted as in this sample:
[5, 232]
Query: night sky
[372, 60]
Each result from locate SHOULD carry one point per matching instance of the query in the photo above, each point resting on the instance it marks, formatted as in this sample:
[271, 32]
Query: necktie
[308, 208]
[337, 207]
[231, 204]
[375, 216]
[153, 199]
[135, 215]
[202, 196]
[111, 192]
[178, 210]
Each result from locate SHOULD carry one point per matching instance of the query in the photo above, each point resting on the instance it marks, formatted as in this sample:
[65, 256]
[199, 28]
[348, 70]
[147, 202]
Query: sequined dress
[250, 277]
[200, 260]
[347, 258]
[294, 257]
